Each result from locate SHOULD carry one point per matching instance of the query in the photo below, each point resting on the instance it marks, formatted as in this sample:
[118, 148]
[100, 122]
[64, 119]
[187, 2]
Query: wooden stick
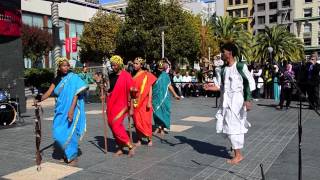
[129, 127]
[104, 120]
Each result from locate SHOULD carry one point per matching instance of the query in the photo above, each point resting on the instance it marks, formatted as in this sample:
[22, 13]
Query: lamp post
[270, 49]
[162, 28]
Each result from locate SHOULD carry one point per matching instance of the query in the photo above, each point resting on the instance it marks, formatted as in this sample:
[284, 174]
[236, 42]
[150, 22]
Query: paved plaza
[191, 149]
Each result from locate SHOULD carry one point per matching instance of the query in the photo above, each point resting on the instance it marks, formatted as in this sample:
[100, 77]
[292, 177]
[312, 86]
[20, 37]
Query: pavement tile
[49, 171]
[179, 128]
[198, 118]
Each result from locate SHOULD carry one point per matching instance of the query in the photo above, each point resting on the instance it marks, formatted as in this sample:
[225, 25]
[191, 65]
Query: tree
[182, 39]
[98, 37]
[36, 43]
[140, 35]
[208, 40]
[227, 29]
[285, 45]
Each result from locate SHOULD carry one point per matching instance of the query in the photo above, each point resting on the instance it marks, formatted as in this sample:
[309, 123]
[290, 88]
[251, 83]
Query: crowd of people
[141, 91]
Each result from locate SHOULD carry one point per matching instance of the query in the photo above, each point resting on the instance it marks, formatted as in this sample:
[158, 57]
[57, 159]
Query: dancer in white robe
[235, 85]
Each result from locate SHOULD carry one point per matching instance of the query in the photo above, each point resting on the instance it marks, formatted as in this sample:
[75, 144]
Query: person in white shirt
[235, 100]
[186, 79]
[177, 79]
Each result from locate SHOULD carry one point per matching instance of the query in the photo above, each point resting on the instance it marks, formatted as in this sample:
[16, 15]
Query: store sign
[10, 21]
[74, 44]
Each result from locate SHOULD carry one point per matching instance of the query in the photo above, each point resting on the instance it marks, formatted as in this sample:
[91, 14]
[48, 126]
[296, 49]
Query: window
[237, 13]
[308, 12]
[307, 41]
[318, 11]
[230, 2]
[245, 12]
[273, 18]
[307, 28]
[238, 2]
[273, 5]
[230, 13]
[261, 19]
[318, 40]
[262, 7]
[245, 1]
[308, 1]
[286, 3]
[33, 20]
[285, 17]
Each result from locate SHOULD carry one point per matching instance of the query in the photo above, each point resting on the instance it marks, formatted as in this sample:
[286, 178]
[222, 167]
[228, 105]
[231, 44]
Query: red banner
[10, 22]
[74, 44]
[67, 44]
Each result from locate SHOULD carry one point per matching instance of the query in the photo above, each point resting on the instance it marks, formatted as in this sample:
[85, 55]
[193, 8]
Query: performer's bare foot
[150, 143]
[162, 134]
[235, 160]
[118, 153]
[131, 151]
[157, 131]
[73, 162]
[138, 143]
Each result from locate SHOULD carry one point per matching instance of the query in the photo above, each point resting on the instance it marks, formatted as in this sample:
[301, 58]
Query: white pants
[237, 140]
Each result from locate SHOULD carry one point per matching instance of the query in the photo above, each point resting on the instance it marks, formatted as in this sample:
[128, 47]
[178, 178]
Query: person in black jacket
[313, 80]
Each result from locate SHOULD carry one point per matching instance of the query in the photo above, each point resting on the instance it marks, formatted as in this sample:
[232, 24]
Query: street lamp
[162, 28]
[270, 49]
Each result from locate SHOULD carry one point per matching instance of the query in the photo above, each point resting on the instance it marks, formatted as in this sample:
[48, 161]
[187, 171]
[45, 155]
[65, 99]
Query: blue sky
[107, 1]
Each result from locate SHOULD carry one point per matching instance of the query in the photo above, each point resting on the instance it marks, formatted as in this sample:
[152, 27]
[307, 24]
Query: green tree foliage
[182, 40]
[286, 46]
[140, 35]
[36, 43]
[98, 38]
[227, 29]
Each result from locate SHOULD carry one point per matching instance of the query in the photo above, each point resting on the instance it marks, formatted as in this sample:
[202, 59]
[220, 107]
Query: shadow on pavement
[58, 153]
[204, 147]
[99, 143]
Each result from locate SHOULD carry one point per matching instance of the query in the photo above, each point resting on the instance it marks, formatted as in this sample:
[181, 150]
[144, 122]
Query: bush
[39, 78]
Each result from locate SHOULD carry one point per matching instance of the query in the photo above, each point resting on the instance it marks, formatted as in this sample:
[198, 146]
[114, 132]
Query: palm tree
[285, 45]
[227, 29]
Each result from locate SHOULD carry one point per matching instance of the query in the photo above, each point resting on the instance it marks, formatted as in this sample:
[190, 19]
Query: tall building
[242, 9]
[73, 15]
[307, 23]
[220, 10]
[273, 12]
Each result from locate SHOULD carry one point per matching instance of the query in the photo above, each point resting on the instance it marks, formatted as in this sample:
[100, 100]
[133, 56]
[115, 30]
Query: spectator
[87, 78]
[313, 81]
[177, 79]
[186, 84]
[286, 87]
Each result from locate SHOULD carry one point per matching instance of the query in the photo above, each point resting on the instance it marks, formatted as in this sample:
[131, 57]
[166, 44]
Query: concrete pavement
[191, 150]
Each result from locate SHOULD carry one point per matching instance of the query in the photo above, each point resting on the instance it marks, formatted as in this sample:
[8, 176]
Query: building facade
[242, 9]
[307, 24]
[73, 15]
[273, 12]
